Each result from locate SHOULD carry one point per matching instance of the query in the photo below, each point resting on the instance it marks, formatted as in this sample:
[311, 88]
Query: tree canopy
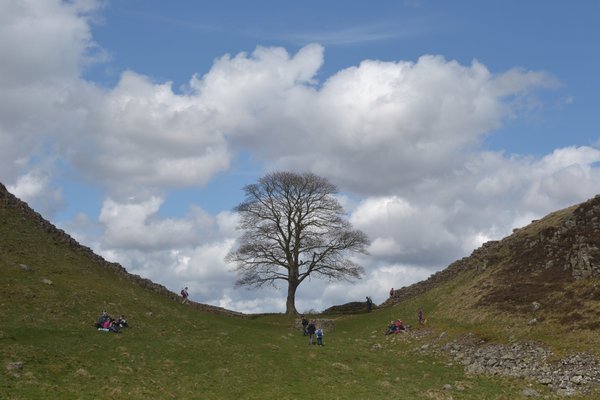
[293, 227]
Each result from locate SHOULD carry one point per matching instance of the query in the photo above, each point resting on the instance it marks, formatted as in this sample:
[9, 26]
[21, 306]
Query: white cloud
[401, 139]
[44, 42]
[132, 226]
[566, 176]
[400, 121]
[35, 187]
[43, 46]
[142, 134]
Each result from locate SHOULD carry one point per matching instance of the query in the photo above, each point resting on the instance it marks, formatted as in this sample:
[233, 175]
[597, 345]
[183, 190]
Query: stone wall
[326, 324]
[572, 245]
[8, 200]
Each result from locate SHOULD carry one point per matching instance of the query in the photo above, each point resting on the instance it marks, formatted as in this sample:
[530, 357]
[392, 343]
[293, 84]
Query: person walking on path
[421, 317]
[311, 329]
[184, 295]
[320, 334]
[392, 292]
[304, 325]
[369, 304]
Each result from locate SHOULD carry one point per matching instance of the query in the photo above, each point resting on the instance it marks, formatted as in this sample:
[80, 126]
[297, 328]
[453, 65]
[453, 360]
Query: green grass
[172, 351]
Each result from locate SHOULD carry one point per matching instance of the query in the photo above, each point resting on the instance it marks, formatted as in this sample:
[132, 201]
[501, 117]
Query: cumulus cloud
[176, 252]
[403, 140]
[56, 38]
[35, 186]
[399, 121]
[142, 134]
[435, 223]
[137, 225]
[44, 46]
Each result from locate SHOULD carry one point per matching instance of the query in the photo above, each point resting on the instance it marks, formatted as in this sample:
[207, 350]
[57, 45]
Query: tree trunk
[290, 304]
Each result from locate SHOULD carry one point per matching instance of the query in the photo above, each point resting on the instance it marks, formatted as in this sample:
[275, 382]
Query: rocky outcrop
[571, 375]
[561, 247]
[571, 244]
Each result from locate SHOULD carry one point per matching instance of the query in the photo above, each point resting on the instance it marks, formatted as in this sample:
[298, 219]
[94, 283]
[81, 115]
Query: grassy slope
[457, 306]
[173, 351]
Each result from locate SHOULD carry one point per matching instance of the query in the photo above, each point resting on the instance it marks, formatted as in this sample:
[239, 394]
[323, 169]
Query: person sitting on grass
[391, 328]
[396, 327]
[113, 327]
[104, 326]
[102, 319]
[107, 324]
[121, 322]
[400, 326]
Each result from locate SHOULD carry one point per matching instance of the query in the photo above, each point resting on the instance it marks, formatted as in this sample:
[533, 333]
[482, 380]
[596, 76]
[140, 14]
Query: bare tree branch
[293, 227]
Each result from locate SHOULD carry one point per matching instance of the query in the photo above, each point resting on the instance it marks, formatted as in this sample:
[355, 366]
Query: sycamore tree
[293, 227]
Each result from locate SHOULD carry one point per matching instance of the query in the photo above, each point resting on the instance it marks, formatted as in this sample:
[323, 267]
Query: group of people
[312, 331]
[108, 324]
[399, 326]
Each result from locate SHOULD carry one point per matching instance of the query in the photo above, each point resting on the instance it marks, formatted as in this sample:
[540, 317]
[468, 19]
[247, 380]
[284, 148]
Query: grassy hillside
[527, 286]
[49, 348]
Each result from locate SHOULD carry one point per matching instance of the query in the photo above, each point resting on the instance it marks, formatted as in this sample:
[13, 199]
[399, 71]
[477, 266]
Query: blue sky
[134, 125]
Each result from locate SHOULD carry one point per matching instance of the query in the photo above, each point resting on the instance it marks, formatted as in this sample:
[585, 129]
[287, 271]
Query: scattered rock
[577, 379]
[566, 392]
[530, 392]
[447, 386]
[47, 281]
[26, 268]
[532, 322]
[13, 366]
[535, 306]
[574, 374]
[340, 366]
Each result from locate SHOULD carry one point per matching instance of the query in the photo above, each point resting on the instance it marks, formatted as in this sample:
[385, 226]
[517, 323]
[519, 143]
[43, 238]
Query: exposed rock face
[8, 200]
[562, 247]
[572, 245]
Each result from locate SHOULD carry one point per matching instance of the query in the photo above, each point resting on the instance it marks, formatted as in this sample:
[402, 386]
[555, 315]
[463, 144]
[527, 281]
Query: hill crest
[533, 264]
[10, 201]
[553, 261]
